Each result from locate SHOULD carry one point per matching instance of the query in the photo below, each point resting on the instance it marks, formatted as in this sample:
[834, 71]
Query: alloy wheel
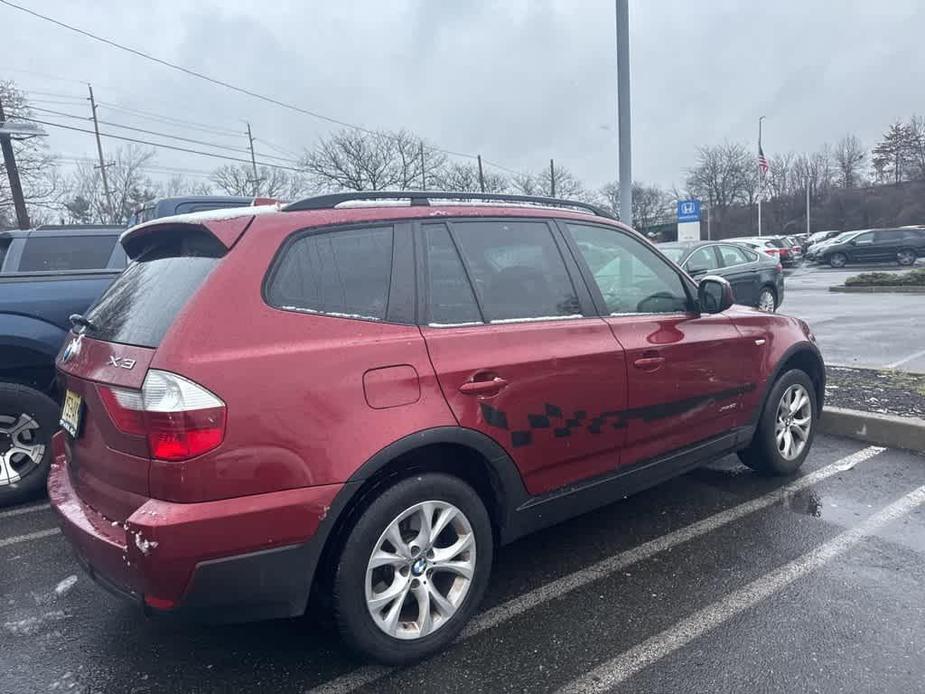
[766, 301]
[905, 257]
[838, 260]
[20, 448]
[420, 570]
[793, 422]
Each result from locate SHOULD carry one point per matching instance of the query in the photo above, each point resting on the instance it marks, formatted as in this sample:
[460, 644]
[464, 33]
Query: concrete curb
[899, 289]
[881, 429]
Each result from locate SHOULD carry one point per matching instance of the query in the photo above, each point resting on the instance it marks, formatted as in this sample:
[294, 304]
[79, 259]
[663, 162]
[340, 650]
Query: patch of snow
[372, 202]
[502, 321]
[218, 215]
[65, 586]
[334, 314]
[453, 325]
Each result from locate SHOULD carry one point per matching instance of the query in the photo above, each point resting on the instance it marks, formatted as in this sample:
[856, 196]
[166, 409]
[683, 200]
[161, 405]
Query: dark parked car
[166, 207]
[757, 279]
[46, 274]
[901, 246]
[373, 400]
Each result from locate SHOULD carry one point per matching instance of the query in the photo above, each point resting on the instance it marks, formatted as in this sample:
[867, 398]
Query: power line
[220, 82]
[159, 134]
[169, 120]
[158, 144]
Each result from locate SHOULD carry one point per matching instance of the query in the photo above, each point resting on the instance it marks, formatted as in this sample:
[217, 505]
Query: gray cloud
[517, 81]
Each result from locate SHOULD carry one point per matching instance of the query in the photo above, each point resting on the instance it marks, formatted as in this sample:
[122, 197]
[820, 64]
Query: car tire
[768, 453]
[906, 257]
[838, 260]
[767, 300]
[355, 599]
[28, 419]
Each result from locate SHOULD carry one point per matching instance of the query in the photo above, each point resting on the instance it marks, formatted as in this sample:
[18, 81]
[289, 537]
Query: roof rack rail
[423, 198]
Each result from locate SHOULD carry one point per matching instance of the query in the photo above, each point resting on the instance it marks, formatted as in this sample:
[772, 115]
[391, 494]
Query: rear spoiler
[226, 225]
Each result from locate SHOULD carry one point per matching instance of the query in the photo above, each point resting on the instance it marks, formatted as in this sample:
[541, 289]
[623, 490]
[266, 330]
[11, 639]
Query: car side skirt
[555, 507]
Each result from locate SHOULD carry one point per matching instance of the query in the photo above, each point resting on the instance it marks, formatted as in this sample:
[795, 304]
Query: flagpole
[760, 177]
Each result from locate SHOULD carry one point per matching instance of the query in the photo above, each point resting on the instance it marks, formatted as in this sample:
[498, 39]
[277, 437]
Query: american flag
[762, 161]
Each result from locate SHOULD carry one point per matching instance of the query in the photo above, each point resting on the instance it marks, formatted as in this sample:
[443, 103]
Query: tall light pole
[623, 111]
[760, 175]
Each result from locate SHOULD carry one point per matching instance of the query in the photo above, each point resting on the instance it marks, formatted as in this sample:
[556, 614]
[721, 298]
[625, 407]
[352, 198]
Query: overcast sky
[518, 81]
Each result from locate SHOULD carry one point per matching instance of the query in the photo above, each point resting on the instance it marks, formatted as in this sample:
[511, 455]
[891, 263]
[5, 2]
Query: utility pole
[423, 175]
[552, 179]
[709, 229]
[623, 112]
[19, 201]
[99, 151]
[481, 175]
[250, 141]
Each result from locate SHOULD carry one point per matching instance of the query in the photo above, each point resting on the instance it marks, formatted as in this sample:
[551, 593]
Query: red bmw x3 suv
[362, 396]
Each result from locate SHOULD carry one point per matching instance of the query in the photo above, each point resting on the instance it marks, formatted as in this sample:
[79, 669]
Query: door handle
[489, 387]
[649, 363]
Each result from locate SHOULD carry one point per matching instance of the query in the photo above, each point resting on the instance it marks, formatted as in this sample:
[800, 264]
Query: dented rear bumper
[235, 559]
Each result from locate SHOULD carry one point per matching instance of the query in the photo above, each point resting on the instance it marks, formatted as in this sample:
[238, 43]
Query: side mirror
[714, 294]
[852, 242]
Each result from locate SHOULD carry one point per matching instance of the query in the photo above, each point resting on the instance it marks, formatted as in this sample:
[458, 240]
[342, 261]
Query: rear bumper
[230, 560]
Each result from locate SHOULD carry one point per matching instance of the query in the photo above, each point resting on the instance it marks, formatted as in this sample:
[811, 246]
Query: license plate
[70, 413]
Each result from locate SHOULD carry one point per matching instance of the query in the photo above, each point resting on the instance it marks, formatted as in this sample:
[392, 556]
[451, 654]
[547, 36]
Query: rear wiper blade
[78, 321]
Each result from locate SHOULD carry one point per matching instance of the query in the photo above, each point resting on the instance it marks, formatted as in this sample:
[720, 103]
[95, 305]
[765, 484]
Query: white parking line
[906, 360]
[561, 586]
[7, 541]
[23, 509]
[619, 669]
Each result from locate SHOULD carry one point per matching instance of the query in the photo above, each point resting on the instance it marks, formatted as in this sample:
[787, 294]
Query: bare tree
[724, 176]
[131, 188]
[465, 178]
[849, 161]
[567, 184]
[651, 204]
[916, 133]
[359, 160]
[272, 182]
[38, 173]
[179, 184]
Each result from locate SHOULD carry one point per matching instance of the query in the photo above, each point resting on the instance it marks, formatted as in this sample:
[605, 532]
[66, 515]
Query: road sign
[688, 210]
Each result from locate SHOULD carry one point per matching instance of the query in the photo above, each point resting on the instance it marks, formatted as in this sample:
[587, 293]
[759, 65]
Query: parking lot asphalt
[867, 330]
[719, 580]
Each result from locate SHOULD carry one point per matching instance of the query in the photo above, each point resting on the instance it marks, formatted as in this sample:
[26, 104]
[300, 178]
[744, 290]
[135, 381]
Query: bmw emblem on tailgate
[72, 349]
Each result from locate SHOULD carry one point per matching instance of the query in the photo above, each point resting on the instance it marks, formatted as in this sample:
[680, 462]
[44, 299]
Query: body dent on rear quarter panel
[780, 333]
[292, 381]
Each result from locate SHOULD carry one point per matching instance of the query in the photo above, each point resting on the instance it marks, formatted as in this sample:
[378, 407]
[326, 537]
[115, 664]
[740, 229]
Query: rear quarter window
[343, 273]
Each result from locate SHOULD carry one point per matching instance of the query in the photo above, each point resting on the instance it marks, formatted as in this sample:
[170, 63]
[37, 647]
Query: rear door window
[517, 270]
[344, 273]
[730, 255]
[448, 297]
[63, 253]
[143, 302]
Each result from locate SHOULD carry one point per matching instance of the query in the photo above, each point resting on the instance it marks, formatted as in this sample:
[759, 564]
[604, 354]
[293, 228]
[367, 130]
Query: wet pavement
[874, 331]
[719, 580]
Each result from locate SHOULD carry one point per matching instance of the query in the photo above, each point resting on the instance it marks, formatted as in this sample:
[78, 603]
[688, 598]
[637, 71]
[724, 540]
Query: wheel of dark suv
[838, 260]
[767, 300]
[786, 428]
[28, 419]
[905, 257]
[413, 569]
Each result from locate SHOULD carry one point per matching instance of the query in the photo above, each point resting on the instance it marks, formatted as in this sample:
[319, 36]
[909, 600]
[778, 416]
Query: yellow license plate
[70, 413]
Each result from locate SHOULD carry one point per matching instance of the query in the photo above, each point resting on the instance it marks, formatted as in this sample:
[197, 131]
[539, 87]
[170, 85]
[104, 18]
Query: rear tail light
[179, 418]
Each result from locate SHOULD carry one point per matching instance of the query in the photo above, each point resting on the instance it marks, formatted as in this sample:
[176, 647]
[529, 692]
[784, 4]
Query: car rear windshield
[779, 243]
[141, 304]
[63, 253]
